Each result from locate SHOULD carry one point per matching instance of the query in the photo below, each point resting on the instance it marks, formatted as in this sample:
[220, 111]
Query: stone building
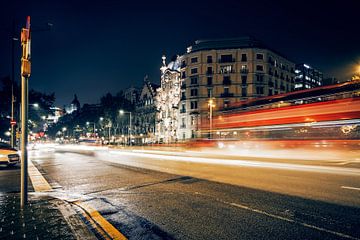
[226, 71]
[167, 101]
[145, 113]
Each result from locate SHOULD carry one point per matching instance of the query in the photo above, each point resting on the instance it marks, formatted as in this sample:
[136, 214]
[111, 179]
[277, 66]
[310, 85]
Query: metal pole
[130, 130]
[24, 140]
[13, 137]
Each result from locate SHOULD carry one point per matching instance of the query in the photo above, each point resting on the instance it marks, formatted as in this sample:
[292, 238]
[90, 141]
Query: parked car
[8, 155]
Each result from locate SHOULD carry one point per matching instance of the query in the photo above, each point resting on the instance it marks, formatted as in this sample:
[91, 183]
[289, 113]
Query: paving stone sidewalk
[43, 218]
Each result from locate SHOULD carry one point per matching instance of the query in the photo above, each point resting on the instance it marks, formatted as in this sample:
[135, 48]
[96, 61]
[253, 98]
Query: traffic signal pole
[25, 74]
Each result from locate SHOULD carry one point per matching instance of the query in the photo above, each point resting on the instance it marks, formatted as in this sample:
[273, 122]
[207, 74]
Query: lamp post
[123, 112]
[211, 105]
[25, 74]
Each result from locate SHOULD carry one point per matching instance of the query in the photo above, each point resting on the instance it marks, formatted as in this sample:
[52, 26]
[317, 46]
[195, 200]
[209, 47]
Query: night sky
[105, 46]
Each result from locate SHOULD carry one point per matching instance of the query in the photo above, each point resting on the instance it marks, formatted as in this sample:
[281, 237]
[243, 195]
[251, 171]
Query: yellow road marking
[38, 181]
[109, 229]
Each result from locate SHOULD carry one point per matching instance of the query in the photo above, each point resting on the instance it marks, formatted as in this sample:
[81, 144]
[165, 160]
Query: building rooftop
[229, 43]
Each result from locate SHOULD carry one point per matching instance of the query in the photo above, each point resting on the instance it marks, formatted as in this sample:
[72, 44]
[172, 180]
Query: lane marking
[41, 185]
[351, 188]
[38, 181]
[109, 229]
[282, 218]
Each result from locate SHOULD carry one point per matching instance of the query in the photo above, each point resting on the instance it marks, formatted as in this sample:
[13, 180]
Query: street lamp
[122, 112]
[211, 105]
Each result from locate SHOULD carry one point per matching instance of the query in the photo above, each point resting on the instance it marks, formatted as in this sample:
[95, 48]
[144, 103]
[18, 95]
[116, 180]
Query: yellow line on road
[38, 181]
[41, 185]
[109, 229]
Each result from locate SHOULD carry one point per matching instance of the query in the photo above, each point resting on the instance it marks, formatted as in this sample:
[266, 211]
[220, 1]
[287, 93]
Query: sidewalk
[43, 218]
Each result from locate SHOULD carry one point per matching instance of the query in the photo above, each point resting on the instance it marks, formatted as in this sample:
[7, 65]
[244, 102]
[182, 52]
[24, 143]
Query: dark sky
[105, 46]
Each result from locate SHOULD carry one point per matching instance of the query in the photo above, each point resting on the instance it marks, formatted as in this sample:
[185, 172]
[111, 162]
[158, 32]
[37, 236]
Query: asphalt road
[188, 195]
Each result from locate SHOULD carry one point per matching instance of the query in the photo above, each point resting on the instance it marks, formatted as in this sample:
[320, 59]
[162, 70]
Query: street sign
[12, 122]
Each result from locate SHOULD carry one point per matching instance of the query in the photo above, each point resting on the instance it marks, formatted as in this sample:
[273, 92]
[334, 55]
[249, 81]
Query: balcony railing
[226, 82]
[226, 95]
[226, 60]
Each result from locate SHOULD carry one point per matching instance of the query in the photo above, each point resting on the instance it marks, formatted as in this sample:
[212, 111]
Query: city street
[152, 194]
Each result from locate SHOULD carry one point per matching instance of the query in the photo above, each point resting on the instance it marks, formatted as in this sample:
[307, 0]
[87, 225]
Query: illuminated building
[74, 105]
[167, 101]
[307, 77]
[227, 71]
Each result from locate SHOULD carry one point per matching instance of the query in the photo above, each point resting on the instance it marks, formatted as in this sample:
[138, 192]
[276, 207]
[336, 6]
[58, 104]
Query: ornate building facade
[145, 113]
[167, 102]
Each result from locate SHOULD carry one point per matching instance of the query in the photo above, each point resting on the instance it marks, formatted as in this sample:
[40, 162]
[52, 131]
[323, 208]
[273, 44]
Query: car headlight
[2, 155]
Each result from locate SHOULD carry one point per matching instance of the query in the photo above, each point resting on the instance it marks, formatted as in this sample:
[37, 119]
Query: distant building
[131, 94]
[307, 77]
[74, 106]
[330, 81]
[54, 116]
[145, 113]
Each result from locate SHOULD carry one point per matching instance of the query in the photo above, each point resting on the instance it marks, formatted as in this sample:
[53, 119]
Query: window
[209, 59]
[183, 75]
[226, 90]
[243, 57]
[209, 70]
[183, 96]
[183, 108]
[183, 64]
[193, 104]
[270, 92]
[243, 92]
[209, 92]
[226, 69]
[243, 79]
[183, 136]
[194, 71]
[183, 123]
[259, 90]
[226, 103]
[259, 68]
[226, 58]
[194, 60]
[193, 120]
[209, 80]
[194, 92]
[259, 56]
[194, 80]
[260, 78]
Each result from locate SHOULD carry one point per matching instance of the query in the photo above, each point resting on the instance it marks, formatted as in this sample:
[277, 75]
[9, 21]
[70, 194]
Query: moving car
[8, 155]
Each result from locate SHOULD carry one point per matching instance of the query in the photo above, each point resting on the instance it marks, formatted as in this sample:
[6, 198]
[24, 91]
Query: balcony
[244, 70]
[226, 60]
[226, 82]
[224, 95]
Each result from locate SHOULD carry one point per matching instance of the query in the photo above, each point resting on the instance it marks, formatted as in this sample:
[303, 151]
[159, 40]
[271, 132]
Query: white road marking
[351, 188]
[282, 218]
